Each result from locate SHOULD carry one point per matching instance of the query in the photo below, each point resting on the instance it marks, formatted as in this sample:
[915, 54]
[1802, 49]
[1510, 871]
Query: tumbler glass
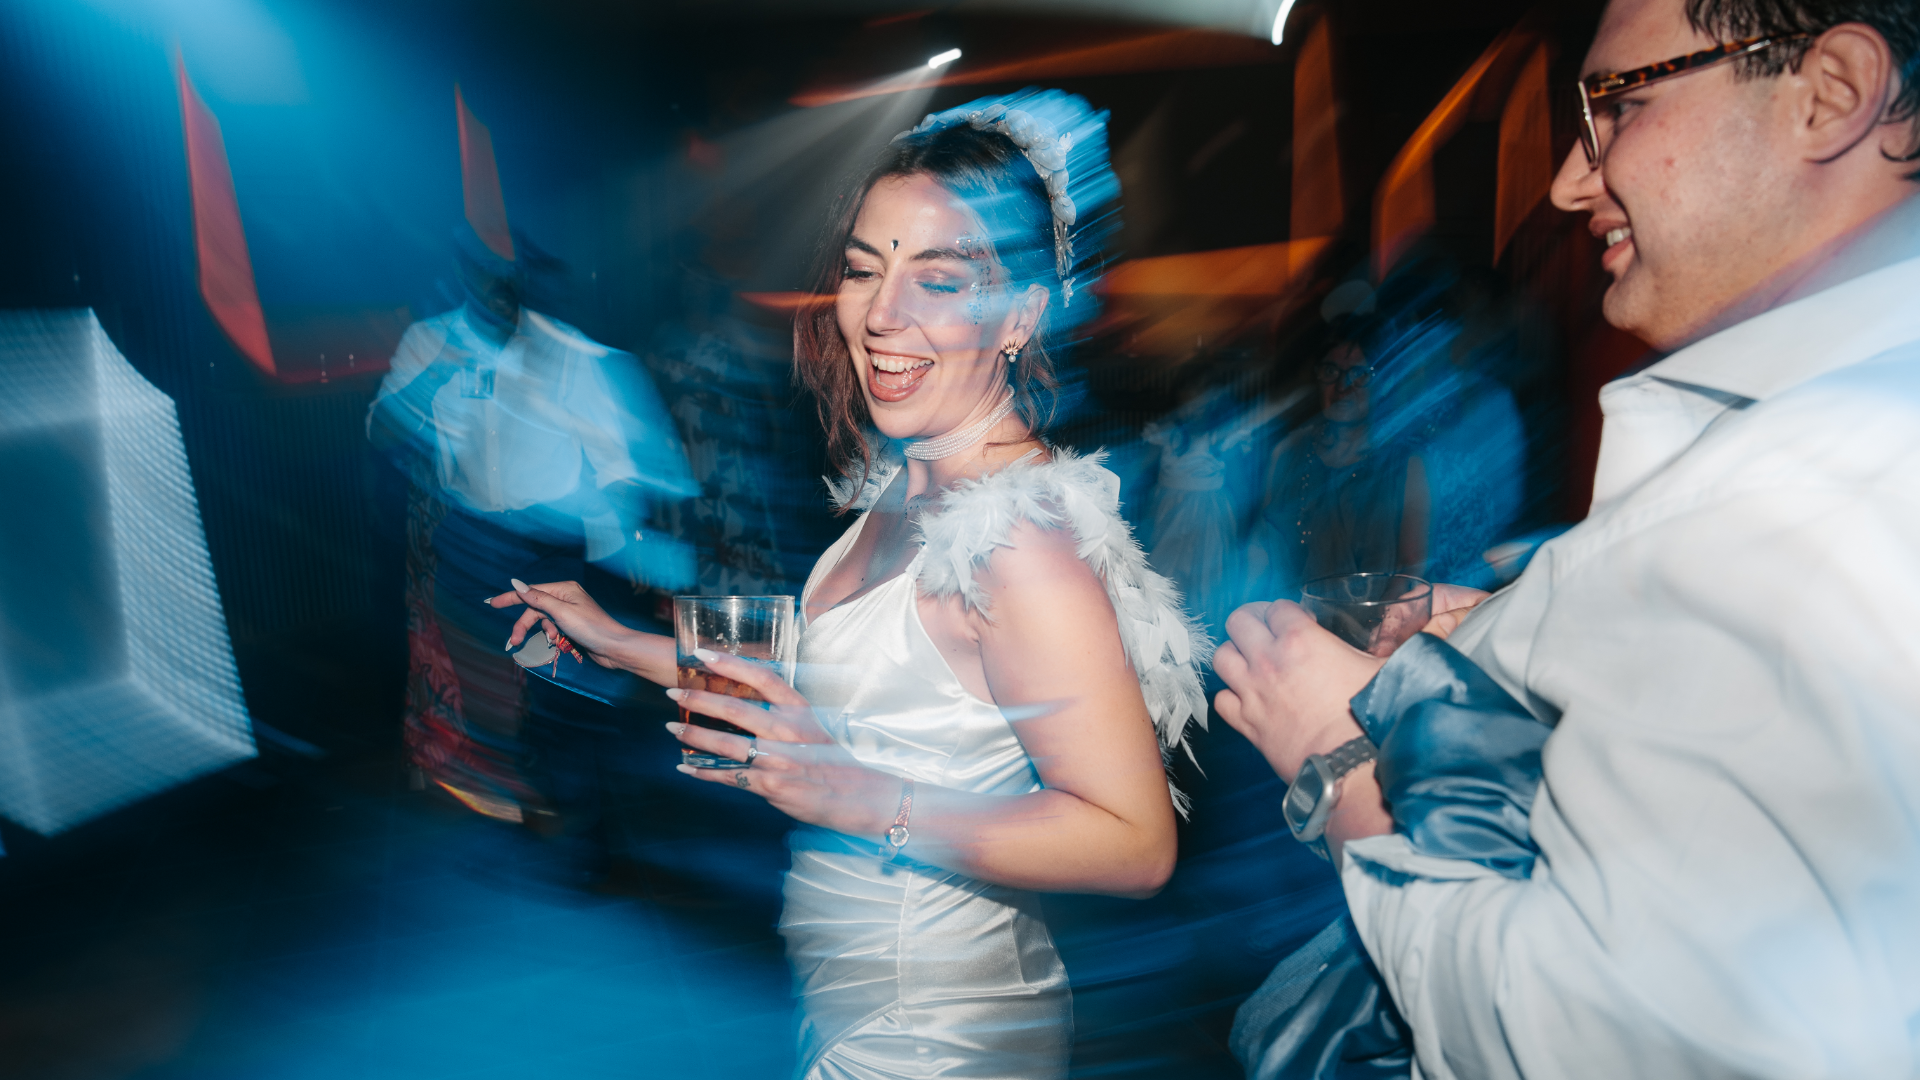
[756, 628]
[1375, 613]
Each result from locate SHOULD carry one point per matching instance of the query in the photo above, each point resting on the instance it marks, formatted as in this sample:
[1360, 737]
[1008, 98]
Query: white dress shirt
[1729, 825]
[553, 419]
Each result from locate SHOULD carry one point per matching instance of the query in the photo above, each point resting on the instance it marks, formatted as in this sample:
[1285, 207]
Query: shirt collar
[482, 345]
[1790, 344]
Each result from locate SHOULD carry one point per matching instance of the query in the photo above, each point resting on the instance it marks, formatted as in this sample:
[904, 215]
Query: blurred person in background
[1467, 472]
[989, 673]
[534, 452]
[1416, 461]
[1336, 499]
[1651, 810]
[725, 387]
[1195, 516]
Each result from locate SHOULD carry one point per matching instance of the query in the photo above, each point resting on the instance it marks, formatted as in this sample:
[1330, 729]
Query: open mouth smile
[892, 377]
[1619, 241]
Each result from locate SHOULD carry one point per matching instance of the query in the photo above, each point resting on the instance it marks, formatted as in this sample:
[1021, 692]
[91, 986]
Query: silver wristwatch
[1316, 791]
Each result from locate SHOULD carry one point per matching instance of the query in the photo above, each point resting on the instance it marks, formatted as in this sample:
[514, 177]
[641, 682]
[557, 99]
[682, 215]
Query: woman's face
[923, 310]
[1344, 395]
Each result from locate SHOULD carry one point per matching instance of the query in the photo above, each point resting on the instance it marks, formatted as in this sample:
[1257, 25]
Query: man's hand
[1288, 687]
[1451, 603]
[1288, 683]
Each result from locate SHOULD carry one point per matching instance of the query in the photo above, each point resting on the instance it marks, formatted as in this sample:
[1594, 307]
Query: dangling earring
[1011, 352]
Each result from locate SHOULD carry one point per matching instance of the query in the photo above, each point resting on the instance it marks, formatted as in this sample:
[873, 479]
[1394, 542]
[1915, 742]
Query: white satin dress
[903, 969]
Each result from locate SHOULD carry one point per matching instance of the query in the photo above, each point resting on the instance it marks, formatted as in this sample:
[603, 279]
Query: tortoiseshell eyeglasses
[1598, 87]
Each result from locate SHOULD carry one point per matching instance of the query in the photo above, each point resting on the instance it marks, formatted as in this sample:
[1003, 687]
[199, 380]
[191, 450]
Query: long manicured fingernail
[676, 726]
[705, 656]
[688, 769]
[518, 585]
[509, 647]
[676, 693]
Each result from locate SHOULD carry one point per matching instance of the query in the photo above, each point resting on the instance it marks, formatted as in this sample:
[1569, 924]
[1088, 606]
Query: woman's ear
[1029, 311]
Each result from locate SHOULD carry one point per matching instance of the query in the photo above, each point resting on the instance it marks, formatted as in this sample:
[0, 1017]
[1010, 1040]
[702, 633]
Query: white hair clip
[1045, 149]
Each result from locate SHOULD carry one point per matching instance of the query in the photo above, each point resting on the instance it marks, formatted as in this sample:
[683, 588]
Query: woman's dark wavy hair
[1898, 21]
[997, 182]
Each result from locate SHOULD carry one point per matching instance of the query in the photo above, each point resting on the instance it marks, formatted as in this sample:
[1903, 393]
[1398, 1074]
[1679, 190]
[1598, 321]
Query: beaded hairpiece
[1045, 148]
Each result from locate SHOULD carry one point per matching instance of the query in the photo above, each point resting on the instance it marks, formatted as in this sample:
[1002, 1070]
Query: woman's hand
[563, 609]
[794, 765]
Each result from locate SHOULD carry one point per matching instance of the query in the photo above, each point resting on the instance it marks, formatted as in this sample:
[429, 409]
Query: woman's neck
[1001, 445]
[1340, 444]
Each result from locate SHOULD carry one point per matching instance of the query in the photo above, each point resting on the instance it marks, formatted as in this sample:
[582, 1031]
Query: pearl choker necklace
[955, 441]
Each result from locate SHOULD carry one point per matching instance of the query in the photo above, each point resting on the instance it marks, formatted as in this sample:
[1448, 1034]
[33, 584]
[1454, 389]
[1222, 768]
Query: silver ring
[753, 750]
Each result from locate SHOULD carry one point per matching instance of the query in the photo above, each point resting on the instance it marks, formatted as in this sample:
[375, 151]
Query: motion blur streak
[480, 182]
[786, 301]
[919, 76]
[1280, 21]
[1318, 207]
[226, 271]
[1170, 300]
[116, 677]
[1526, 151]
[1260, 270]
[1171, 51]
[1403, 205]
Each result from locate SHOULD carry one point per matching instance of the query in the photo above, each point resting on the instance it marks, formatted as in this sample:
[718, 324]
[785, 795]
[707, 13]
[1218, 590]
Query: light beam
[1280, 20]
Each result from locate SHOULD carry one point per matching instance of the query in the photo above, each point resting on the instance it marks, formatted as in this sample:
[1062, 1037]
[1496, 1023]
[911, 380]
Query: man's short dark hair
[1897, 20]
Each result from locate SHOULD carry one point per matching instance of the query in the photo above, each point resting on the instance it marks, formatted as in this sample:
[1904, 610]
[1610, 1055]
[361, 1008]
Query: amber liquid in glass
[699, 678]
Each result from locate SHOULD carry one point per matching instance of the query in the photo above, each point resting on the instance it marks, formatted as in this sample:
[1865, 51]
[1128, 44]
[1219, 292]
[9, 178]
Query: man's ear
[1847, 79]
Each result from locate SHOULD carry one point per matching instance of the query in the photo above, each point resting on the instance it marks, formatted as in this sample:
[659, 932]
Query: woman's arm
[1051, 652]
[1052, 659]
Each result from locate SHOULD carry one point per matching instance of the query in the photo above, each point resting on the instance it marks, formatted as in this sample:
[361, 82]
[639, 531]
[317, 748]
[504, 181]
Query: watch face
[1303, 796]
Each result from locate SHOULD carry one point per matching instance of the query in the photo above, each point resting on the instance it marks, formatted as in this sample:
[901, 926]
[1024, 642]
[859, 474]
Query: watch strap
[1334, 765]
[1350, 755]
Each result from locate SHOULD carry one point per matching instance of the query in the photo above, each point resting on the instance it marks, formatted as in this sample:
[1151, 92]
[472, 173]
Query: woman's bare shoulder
[1038, 556]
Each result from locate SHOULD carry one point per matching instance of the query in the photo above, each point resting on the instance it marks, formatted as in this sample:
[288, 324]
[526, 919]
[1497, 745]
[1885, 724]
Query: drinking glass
[1375, 613]
[756, 628]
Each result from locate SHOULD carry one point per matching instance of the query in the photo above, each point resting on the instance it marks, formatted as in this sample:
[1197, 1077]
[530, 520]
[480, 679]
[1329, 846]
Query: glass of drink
[756, 628]
[1375, 613]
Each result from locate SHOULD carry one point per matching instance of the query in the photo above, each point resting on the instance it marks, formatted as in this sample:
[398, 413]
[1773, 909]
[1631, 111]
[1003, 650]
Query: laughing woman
[990, 675]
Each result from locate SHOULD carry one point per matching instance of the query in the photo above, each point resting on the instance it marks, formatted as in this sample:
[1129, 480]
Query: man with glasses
[1725, 846]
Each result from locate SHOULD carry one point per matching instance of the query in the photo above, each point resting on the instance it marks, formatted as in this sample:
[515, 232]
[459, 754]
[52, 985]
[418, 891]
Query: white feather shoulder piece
[1077, 493]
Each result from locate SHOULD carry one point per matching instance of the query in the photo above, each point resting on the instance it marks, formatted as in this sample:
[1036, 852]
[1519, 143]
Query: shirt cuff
[1406, 907]
[1393, 860]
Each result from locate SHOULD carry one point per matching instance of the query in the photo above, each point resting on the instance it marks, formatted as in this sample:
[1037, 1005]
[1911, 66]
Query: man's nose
[1578, 183]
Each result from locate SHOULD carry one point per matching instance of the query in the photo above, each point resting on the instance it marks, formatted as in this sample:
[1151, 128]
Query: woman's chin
[897, 427]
